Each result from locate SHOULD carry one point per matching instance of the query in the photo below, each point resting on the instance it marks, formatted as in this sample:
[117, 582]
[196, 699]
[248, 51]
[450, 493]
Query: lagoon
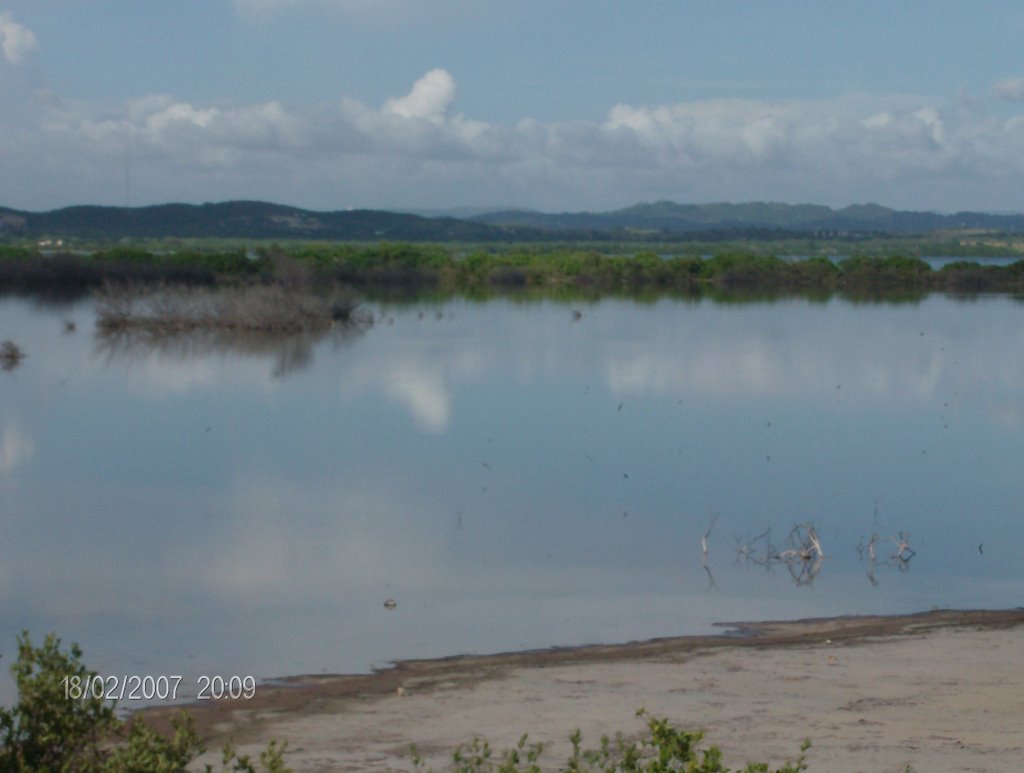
[513, 474]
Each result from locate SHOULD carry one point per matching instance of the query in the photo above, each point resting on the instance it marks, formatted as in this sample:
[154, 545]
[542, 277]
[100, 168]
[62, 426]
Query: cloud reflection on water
[280, 542]
[16, 448]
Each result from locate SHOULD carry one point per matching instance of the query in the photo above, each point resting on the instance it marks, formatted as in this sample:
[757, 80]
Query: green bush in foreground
[661, 749]
[46, 732]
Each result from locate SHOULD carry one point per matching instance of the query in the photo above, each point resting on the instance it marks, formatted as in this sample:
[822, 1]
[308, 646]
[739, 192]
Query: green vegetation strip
[447, 268]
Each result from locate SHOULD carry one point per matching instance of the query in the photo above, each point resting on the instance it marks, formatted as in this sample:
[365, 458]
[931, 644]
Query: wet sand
[941, 691]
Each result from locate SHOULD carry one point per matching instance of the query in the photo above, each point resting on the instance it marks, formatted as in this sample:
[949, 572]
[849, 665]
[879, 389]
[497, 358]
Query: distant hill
[245, 220]
[681, 218]
[664, 220]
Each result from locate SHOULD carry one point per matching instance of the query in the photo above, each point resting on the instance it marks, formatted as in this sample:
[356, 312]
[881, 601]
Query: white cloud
[429, 99]
[16, 40]
[418, 150]
[1011, 89]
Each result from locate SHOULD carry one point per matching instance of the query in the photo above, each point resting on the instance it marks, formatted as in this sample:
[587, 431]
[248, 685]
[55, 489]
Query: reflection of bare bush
[257, 308]
[290, 352]
[261, 321]
[11, 355]
[116, 307]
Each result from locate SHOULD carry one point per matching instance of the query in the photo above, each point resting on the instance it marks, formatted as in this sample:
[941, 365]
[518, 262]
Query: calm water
[512, 477]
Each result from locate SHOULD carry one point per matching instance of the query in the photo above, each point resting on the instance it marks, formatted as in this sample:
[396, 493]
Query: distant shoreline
[561, 272]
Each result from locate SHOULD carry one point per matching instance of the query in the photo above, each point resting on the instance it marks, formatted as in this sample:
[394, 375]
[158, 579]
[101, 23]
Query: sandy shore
[941, 691]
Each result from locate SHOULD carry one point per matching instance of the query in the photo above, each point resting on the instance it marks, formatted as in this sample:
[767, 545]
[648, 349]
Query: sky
[560, 105]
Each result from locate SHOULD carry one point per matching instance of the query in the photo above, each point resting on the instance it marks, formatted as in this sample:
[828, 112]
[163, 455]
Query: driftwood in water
[900, 559]
[802, 557]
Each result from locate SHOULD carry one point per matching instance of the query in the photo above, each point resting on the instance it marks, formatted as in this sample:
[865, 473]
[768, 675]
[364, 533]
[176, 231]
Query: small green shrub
[662, 748]
[46, 732]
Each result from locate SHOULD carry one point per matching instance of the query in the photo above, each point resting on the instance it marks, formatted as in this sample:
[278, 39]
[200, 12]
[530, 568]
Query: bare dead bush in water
[275, 309]
[802, 557]
[257, 320]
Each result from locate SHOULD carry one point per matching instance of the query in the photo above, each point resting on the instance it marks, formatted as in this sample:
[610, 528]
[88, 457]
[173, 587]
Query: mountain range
[681, 218]
[663, 220]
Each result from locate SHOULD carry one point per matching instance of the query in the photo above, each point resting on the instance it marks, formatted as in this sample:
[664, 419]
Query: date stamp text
[135, 687]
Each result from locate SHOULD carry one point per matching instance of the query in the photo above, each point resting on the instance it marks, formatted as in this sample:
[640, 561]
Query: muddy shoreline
[282, 706]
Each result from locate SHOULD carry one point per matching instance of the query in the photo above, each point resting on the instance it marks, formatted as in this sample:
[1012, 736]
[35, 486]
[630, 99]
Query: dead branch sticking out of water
[802, 557]
[712, 585]
[11, 355]
[707, 534]
[804, 544]
[900, 559]
[903, 552]
[271, 309]
[756, 550]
